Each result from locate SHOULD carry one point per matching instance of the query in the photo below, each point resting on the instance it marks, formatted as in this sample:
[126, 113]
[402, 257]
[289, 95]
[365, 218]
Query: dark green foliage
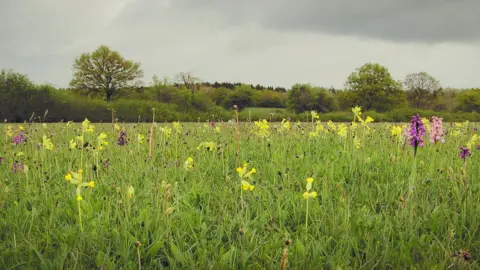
[305, 97]
[469, 101]
[21, 100]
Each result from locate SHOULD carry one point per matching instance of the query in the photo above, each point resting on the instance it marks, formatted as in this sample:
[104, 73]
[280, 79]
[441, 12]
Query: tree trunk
[109, 94]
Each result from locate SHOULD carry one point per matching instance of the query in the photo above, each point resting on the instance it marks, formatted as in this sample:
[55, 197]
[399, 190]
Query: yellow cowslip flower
[426, 124]
[140, 138]
[9, 131]
[79, 198]
[247, 186]
[357, 142]
[86, 127]
[130, 191]
[72, 144]
[21, 127]
[342, 130]
[91, 184]
[102, 140]
[357, 111]
[369, 119]
[68, 177]
[307, 195]
[166, 131]
[177, 127]
[47, 143]
[263, 128]
[396, 131]
[188, 165]
[210, 146]
[308, 187]
[243, 173]
[314, 115]
[473, 142]
[354, 126]
[285, 125]
[331, 125]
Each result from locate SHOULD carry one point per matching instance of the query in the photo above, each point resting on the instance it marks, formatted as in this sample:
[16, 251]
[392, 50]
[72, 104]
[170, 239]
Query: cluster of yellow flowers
[188, 165]
[307, 194]
[47, 143]
[210, 146]
[263, 128]
[244, 174]
[285, 125]
[76, 178]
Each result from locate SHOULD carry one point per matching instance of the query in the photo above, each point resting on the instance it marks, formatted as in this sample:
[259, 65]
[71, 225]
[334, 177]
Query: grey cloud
[430, 21]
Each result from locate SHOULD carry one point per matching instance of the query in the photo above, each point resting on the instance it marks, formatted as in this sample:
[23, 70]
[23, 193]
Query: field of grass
[371, 204]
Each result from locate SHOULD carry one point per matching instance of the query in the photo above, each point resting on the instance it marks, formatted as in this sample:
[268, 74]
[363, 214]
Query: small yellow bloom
[91, 184]
[247, 186]
[72, 144]
[79, 198]
[80, 171]
[307, 195]
[140, 138]
[309, 180]
[68, 177]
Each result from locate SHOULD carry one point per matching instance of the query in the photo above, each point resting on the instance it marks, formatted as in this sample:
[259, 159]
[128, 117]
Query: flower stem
[306, 217]
[80, 216]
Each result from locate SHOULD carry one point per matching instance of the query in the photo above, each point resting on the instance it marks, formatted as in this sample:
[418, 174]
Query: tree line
[103, 81]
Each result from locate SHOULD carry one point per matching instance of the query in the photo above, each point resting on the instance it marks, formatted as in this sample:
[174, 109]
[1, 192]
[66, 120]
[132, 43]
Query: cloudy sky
[271, 42]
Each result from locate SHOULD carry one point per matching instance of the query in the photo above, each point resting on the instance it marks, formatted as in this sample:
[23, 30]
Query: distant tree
[242, 96]
[300, 98]
[324, 100]
[469, 101]
[422, 89]
[375, 88]
[188, 80]
[15, 95]
[106, 70]
[271, 99]
[346, 99]
[218, 95]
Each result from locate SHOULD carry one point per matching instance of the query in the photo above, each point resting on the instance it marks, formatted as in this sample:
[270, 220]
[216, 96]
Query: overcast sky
[271, 42]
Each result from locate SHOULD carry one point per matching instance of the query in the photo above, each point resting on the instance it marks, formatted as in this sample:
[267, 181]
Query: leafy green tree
[305, 97]
[271, 99]
[300, 97]
[346, 99]
[242, 96]
[375, 88]
[469, 101]
[324, 100]
[422, 90]
[106, 70]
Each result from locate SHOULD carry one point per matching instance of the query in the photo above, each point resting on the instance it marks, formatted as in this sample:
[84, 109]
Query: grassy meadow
[253, 196]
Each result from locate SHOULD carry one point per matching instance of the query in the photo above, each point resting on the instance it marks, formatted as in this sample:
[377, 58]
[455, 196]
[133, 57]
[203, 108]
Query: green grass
[201, 218]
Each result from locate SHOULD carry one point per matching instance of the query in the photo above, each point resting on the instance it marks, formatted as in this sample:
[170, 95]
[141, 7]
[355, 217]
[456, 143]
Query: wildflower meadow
[240, 195]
